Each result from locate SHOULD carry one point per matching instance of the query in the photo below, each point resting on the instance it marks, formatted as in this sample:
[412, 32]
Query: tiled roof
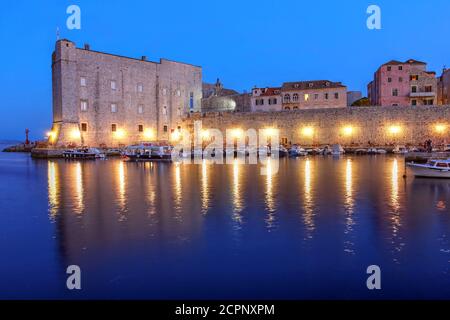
[314, 84]
[271, 92]
[409, 61]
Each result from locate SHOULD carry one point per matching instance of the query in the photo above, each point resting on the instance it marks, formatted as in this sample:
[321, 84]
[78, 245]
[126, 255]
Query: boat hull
[428, 172]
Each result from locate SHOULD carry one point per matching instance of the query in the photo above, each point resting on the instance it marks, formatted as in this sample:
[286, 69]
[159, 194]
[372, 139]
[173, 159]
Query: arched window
[295, 108]
[295, 97]
[287, 98]
[287, 108]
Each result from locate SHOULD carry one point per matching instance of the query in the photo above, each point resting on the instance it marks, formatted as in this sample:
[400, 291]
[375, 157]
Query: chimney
[87, 46]
[144, 58]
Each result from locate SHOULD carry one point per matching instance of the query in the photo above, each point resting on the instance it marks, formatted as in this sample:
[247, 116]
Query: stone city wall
[375, 125]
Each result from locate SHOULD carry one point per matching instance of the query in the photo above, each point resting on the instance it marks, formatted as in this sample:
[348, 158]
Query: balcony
[422, 94]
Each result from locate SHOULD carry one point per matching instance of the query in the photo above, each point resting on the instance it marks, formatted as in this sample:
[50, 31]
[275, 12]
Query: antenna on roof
[57, 33]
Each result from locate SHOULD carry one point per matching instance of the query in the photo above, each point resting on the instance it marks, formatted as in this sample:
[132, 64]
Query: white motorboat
[297, 151]
[376, 151]
[83, 153]
[400, 150]
[148, 152]
[336, 150]
[434, 168]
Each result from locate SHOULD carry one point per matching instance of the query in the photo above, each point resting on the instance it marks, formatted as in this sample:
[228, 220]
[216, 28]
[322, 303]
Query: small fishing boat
[337, 150]
[83, 153]
[297, 151]
[434, 168]
[148, 152]
[361, 151]
[376, 151]
[400, 150]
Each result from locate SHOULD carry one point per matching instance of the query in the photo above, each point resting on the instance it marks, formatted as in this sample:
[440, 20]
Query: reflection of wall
[369, 124]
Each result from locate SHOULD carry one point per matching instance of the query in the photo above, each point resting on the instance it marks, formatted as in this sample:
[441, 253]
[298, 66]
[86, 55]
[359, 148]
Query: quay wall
[382, 126]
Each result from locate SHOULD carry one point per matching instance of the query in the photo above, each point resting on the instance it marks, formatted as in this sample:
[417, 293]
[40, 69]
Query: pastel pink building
[266, 99]
[406, 83]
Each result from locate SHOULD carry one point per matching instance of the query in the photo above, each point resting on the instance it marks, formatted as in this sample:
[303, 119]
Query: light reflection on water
[166, 227]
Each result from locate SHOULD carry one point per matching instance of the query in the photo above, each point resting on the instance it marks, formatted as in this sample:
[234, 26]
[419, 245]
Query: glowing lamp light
[119, 134]
[75, 134]
[394, 129]
[270, 132]
[347, 131]
[440, 128]
[175, 136]
[308, 131]
[51, 135]
[236, 133]
[205, 134]
[149, 134]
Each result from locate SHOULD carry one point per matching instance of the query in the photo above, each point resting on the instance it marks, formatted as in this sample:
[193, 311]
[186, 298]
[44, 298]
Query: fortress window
[414, 102]
[140, 109]
[400, 68]
[316, 96]
[287, 98]
[140, 128]
[336, 95]
[84, 127]
[389, 79]
[389, 68]
[140, 87]
[414, 77]
[114, 127]
[165, 128]
[326, 96]
[113, 107]
[84, 105]
[414, 89]
[164, 111]
[295, 97]
[113, 84]
[395, 92]
[306, 97]
[83, 81]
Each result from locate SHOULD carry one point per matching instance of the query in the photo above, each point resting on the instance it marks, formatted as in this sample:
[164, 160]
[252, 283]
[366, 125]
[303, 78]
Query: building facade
[444, 88]
[106, 99]
[266, 99]
[318, 94]
[406, 83]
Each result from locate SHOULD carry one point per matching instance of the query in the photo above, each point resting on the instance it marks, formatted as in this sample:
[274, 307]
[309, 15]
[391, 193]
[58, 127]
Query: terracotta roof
[409, 61]
[271, 92]
[313, 84]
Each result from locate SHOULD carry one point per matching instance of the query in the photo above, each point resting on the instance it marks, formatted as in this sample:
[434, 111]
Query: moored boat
[83, 153]
[434, 168]
[297, 151]
[400, 150]
[336, 150]
[148, 152]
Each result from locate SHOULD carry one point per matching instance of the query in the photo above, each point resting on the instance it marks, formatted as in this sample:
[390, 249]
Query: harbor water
[206, 231]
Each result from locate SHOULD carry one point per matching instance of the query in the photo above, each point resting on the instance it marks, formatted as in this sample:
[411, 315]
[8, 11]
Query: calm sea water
[163, 231]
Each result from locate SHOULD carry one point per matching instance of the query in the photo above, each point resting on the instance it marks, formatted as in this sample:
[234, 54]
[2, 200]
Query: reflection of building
[266, 99]
[101, 98]
[406, 83]
[216, 98]
[444, 88]
[317, 94]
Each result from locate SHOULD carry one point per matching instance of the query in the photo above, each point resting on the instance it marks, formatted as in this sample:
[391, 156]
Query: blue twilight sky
[244, 43]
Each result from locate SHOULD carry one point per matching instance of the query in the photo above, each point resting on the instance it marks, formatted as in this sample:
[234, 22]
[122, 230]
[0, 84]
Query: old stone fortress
[102, 99]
